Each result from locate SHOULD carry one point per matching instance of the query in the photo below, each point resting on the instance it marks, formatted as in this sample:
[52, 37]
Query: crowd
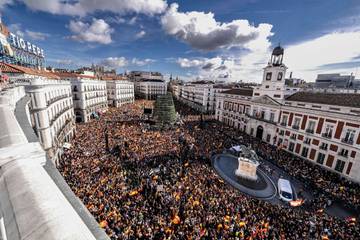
[150, 190]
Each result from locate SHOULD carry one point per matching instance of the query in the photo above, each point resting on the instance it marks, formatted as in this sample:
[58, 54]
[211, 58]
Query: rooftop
[72, 75]
[11, 68]
[151, 80]
[337, 99]
[240, 91]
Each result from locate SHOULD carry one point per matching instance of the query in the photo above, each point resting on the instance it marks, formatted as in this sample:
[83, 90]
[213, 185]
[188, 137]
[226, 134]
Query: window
[324, 146]
[344, 152]
[272, 117]
[262, 114]
[291, 146]
[328, 131]
[267, 86]
[268, 76]
[320, 159]
[339, 166]
[311, 127]
[293, 136]
[268, 137]
[296, 123]
[307, 141]
[280, 75]
[349, 136]
[304, 152]
[284, 120]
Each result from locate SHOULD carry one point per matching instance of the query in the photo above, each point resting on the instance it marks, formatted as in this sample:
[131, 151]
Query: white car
[285, 190]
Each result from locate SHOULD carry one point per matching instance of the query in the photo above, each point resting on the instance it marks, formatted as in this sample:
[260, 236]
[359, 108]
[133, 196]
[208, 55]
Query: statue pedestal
[247, 168]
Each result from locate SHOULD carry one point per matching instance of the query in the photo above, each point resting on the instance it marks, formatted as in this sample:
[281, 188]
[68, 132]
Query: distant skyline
[227, 40]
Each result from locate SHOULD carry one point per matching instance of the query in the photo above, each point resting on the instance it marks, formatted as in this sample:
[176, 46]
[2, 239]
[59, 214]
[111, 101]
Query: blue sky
[228, 40]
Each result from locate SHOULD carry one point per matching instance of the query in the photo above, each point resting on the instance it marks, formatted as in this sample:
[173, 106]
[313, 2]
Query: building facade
[200, 95]
[335, 81]
[321, 127]
[120, 92]
[90, 98]
[51, 110]
[52, 114]
[89, 95]
[150, 88]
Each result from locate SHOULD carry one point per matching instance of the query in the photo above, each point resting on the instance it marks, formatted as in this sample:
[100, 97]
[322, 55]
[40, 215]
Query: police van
[285, 190]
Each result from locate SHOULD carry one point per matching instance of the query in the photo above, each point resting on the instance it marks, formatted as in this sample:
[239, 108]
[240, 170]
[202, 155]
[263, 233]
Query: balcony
[52, 100]
[283, 124]
[322, 147]
[260, 119]
[310, 131]
[59, 114]
[347, 141]
[296, 127]
[326, 135]
[342, 154]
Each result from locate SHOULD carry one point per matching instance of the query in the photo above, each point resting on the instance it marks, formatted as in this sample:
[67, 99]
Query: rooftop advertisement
[16, 50]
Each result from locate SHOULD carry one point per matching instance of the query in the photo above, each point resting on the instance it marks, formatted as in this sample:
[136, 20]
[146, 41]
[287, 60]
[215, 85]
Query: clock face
[280, 75]
[268, 76]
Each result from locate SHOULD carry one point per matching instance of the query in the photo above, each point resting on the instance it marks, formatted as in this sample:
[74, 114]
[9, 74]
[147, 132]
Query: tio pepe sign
[20, 43]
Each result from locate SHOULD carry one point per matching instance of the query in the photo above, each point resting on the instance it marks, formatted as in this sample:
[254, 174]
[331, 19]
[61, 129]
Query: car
[285, 190]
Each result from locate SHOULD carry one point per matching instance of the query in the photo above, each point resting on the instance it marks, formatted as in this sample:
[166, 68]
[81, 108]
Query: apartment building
[150, 88]
[89, 95]
[120, 92]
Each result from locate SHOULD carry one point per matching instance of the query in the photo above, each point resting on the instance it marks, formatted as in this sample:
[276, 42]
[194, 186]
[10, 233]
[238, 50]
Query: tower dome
[278, 51]
[277, 56]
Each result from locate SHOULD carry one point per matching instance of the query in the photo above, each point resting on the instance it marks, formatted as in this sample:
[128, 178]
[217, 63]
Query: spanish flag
[103, 224]
[133, 193]
[176, 220]
[242, 224]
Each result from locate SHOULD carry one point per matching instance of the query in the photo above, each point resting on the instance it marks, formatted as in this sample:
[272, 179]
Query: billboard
[15, 50]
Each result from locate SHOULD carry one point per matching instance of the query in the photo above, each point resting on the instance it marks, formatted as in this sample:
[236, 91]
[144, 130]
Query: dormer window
[280, 75]
[268, 76]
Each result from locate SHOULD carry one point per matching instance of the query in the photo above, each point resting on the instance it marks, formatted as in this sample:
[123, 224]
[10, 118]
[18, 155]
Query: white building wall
[120, 92]
[52, 114]
[90, 97]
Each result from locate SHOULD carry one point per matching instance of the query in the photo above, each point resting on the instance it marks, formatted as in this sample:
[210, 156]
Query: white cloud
[118, 62]
[98, 31]
[17, 29]
[133, 20]
[308, 58]
[36, 35]
[4, 2]
[190, 63]
[64, 61]
[201, 31]
[114, 62]
[84, 7]
[139, 62]
[201, 63]
[140, 34]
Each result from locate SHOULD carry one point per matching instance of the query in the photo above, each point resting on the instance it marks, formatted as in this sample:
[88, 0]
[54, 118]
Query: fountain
[247, 162]
[240, 167]
[247, 168]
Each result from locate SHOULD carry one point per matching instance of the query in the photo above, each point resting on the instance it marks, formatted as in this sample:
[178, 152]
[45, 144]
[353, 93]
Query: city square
[165, 119]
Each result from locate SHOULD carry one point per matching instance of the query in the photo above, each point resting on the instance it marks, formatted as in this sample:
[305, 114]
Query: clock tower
[273, 83]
